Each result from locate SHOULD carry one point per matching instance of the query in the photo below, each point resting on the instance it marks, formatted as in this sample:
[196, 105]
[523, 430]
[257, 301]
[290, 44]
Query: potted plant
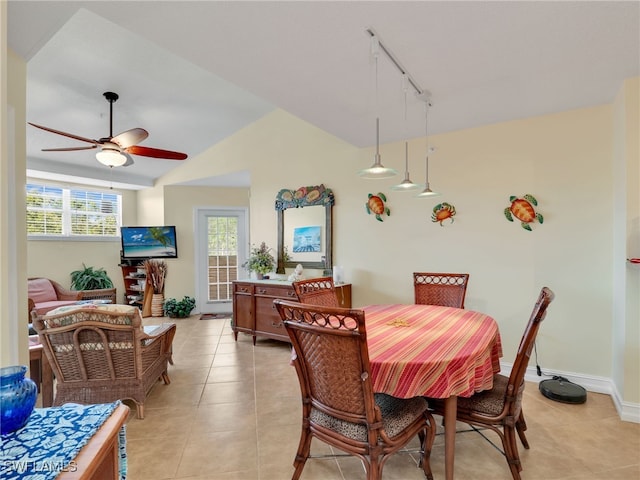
[89, 278]
[260, 260]
[179, 309]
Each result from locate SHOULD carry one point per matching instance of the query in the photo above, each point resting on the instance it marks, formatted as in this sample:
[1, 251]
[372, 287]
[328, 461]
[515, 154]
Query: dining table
[432, 351]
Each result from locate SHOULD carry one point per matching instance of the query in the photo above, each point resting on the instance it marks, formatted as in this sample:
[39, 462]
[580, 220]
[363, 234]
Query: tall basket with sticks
[156, 271]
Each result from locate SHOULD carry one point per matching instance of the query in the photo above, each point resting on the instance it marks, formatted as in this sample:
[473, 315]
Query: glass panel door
[221, 251]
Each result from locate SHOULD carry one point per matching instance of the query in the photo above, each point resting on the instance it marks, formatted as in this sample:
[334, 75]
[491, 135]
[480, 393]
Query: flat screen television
[149, 242]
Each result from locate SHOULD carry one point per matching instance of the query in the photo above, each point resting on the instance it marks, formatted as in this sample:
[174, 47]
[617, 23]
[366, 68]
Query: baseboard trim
[627, 411]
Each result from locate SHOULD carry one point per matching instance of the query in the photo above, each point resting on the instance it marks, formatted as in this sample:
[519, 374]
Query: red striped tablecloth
[429, 350]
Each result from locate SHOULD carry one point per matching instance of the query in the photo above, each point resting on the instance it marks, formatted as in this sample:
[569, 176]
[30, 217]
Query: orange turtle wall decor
[522, 209]
[376, 205]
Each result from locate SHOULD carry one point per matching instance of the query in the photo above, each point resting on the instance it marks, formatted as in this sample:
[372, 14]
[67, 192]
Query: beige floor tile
[228, 392]
[224, 417]
[232, 412]
[218, 452]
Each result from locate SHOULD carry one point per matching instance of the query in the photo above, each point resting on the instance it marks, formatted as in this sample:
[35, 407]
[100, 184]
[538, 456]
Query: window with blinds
[54, 211]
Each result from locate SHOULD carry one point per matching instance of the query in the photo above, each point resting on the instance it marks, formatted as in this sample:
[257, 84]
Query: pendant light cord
[426, 139]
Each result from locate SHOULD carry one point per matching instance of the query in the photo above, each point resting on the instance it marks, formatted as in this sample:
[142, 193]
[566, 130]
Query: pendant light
[427, 192]
[406, 184]
[377, 170]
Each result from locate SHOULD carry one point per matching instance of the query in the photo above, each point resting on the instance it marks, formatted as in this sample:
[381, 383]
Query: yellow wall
[13, 297]
[626, 215]
[180, 205]
[566, 160]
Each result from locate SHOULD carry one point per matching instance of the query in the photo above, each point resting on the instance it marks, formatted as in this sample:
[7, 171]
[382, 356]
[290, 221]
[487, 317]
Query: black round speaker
[562, 390]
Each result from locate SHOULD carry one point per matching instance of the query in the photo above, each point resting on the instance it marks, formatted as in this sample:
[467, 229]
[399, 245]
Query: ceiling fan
[116, 150]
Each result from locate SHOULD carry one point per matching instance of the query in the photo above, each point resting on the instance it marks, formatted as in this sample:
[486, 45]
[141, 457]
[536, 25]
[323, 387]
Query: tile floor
[232, 412]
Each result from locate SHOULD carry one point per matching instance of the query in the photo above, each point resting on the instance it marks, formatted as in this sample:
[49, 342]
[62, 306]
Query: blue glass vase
[17, 398]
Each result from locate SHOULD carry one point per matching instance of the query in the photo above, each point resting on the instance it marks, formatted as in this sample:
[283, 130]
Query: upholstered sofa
[102, 353]
[46, 295]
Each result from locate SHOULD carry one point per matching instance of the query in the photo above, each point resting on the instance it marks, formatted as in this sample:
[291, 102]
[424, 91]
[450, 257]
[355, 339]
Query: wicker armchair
[338, 403]
[317, 291]
[100, 355]
[444, 289]
[500, 409]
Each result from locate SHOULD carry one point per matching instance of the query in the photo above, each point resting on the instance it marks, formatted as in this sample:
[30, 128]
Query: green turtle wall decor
[376, 205]
[522, 209]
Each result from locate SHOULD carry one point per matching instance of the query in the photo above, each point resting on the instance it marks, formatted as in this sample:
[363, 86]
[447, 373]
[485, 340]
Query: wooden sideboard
[254, 312]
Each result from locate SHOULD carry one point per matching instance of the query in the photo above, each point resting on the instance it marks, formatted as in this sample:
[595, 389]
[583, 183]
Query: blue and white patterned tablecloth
[52, 439]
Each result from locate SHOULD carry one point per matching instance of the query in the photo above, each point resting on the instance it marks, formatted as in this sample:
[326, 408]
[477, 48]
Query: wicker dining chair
[317, 291]
[445, 289]
[100, 355]
[500, 409]
[338, 403]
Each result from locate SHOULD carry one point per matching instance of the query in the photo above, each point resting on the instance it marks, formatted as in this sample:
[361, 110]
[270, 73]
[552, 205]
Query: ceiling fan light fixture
[111, 157]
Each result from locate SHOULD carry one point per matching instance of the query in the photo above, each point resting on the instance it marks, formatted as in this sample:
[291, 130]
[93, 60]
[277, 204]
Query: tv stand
[137, 291]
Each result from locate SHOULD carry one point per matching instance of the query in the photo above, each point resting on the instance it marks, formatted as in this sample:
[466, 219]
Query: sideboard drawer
[254, 312]
[243, 288]
[276, 291]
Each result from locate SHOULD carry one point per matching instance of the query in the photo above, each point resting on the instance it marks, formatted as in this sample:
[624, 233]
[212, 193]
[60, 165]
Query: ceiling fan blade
[65, 134]
[129, 161]
[130, 137]
[155, 153]
[68, 149]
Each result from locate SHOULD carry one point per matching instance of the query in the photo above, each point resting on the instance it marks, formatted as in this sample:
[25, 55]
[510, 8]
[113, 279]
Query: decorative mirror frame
[316, 195]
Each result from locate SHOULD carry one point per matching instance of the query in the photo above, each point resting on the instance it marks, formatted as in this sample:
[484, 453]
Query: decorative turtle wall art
[522, 209]
[376, 205]
[442, 211]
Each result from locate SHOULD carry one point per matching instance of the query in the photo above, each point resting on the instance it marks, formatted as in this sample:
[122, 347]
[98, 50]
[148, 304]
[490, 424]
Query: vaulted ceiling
[193, 73]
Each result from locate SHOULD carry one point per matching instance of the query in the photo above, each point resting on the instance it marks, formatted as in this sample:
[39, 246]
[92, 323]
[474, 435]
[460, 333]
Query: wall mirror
[305, 228]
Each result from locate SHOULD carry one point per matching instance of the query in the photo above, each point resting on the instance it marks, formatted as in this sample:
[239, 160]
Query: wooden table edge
[94, 453]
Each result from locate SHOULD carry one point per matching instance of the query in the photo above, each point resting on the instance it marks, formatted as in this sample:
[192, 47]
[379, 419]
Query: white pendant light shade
[427, 192]
[377, 170]
[406, 185]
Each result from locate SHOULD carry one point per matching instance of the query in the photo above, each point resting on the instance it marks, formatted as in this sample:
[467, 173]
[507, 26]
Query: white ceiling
[193, 73]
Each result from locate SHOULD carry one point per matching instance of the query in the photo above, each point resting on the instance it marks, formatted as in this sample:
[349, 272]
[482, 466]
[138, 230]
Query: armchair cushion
[42, 308]
[41, 290]
[46, 295]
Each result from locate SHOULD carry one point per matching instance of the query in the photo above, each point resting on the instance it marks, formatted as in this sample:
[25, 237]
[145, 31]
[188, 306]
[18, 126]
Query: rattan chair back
[444, 289]
[339, 405]
[100, 356]
[516, 378]
[317, 291]
[500, 409]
